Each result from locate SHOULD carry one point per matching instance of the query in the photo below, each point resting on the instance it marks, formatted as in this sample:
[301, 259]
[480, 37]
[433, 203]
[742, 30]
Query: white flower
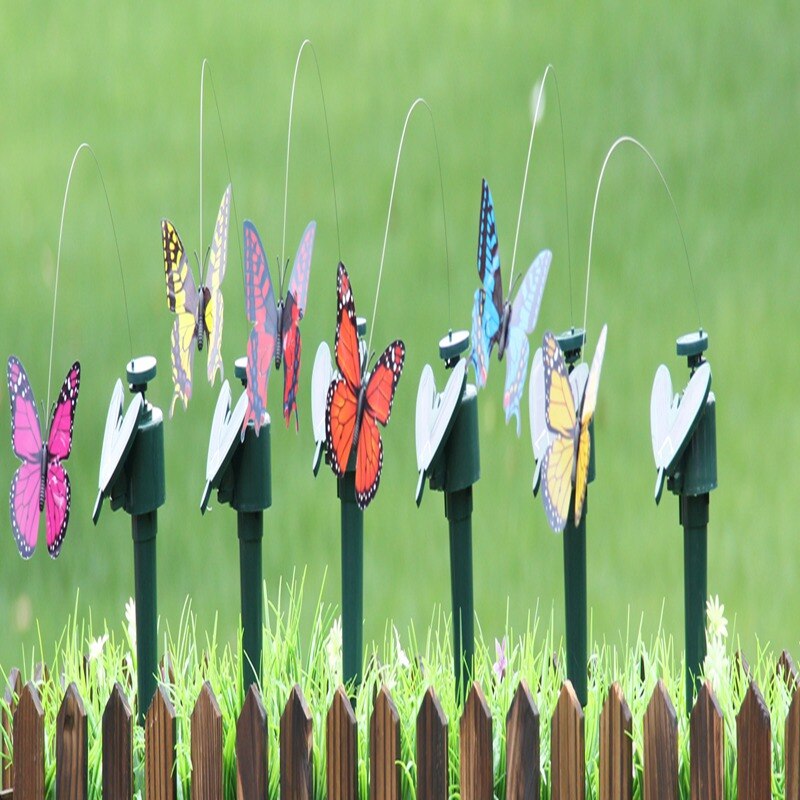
[716, 665]
[334, 646]
[130, 617]
[96, 647]
[400, 654]
[716, 625]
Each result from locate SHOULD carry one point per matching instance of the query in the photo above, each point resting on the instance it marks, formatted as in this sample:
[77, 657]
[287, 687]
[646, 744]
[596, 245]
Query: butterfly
[199, 310]
[41, 483]
[565, 464]
[673, 419]
[276, 330]
[358, 399]
[498, 321]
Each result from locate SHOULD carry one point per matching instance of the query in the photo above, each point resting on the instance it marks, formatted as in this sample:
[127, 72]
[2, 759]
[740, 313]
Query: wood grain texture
[72, 743]
[251, 748]
[431, 749]
[341, 745]
[29, 745]
[206, 746]
[567, 747]
[706, 747]
[791, 748]
[159, 748]
[522, 746]
[660, 747]
[296, 748]
[384, 748]
[476, 762]
[117, 743]
[10, 696]
[616, 747]
[753, 747]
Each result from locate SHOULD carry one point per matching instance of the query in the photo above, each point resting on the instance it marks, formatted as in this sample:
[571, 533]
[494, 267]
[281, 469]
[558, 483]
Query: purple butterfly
[41, 483]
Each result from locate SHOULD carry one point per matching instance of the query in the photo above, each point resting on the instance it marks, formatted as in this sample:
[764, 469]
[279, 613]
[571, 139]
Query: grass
[408, 664]
[710, 89]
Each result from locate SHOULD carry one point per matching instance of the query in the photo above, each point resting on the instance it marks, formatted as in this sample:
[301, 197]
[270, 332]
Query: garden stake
[245, 482]
[574, 537]
[454, 472]
[352, 521]
[692, 481]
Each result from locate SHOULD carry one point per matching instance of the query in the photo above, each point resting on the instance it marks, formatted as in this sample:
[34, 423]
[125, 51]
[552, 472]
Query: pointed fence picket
[23, 778]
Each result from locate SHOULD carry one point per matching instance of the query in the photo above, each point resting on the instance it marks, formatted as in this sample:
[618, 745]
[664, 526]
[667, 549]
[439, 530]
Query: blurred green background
[711, 88]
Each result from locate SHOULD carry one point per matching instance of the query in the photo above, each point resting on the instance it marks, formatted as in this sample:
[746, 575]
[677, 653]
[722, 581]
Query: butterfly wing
[59, 440]
[526, 305]
[217, 262]
[559, 459]
[517, 352]
[489, 257]
[369, 461]
[182, 301]
[263, 315]
[26, 439]
[660, 414]
[348, 356]
[587, 412]
[301, 271]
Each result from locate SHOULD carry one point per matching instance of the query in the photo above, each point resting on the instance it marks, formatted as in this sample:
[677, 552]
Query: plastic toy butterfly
[358, 399]
[499, 322]
[276, 330]
[199, 310]
[566, 462]
[41, 483]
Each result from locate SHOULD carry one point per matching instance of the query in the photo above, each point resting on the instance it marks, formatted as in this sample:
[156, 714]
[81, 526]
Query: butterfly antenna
[207, 66]
[618, 143]
[550, 70]
[418, 102]
[81, 147]
[308, 43]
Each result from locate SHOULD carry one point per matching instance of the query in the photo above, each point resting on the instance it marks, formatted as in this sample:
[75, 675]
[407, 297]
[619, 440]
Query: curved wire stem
[550, 70]
[81, 147]
[420, 101]
[619, 142]
[310, 44]
[207, 65]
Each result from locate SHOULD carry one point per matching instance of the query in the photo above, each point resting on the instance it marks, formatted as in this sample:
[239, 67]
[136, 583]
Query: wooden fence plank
[341, 740]
[10, 697]
[522, 746]
[432, 778]
[660, 747]
[706, 746]
[117, 742]
[616, 747]
[296, 748]
[159, 748]
[476, 765]
[786, 670]
[384, 748]
[251, 748]
[206, 735]
[753, 747]
[72, 748]
[29, 746]
[791, 748]
[567, 747]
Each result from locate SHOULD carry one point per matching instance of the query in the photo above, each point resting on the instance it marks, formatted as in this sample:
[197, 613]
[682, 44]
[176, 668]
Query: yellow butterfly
[565, 465]
[199, 311]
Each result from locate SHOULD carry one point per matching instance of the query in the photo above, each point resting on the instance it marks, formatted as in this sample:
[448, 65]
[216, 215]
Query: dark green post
[145, 492]
[575, 603]
[694, 478]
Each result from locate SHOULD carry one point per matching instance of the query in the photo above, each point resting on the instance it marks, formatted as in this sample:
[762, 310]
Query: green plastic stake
[693, 480]
[352, 519]
[143, 493]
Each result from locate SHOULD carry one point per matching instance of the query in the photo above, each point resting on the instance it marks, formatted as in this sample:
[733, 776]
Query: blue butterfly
[499, 321]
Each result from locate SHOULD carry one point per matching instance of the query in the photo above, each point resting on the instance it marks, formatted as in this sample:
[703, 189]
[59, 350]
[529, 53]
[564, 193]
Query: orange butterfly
[358, 399]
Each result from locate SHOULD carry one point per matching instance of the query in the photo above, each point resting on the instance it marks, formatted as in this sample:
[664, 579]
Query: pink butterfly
[41, 483]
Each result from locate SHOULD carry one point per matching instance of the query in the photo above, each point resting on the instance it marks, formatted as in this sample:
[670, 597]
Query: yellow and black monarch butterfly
[566, 462]
[199, 310]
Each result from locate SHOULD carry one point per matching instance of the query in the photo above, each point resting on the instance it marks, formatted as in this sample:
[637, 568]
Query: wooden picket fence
[23, 778]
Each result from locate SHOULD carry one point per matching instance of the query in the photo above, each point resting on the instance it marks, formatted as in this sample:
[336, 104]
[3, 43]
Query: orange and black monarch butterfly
[358, 399]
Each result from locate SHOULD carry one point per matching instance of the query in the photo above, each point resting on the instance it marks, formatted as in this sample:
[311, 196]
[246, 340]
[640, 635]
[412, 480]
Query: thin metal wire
[620, 141]
[309, 43]
[418, 102]
[81, 147]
